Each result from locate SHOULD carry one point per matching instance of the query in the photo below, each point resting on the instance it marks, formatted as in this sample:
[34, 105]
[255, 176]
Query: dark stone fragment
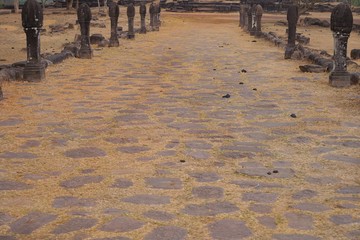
[159, 215]
[59, 57]
[313, 68]
[293, 115]
[167, 233]
[209, 209]
[147, 199]
[260, 197]
[69, 201]
[122, 183]
[241, 83]
[80, 181]
[208, 192]
[229, 229]
[75, 224]
[294, 237]
[122, 224]
[243, 71]
[31, 222]
[17, 155]
[226, 96]
[12, 185]
[164, 183]
[85, 152]
[96, 38]
[262, 172]
[355, 54]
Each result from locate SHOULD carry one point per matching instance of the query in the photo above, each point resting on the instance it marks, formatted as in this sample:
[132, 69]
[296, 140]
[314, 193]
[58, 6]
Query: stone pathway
[139, 143]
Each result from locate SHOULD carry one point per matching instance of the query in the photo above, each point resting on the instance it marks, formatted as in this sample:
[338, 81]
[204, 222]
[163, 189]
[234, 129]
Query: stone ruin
[131, 15]
[142, 11]
[114, 16]
[84, 18]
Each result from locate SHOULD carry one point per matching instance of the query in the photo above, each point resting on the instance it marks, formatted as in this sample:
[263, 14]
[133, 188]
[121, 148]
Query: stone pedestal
[258, 12]
[131, 15]
[32, 21]
[142, 11]
[292, 18]
[114, 16]
[84, 18]
[341, 26]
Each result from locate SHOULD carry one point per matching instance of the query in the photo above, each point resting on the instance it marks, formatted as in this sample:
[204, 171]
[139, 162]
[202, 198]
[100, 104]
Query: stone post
[142, 12]
[156, 16]
[245, 18]
[249, 19]
[151, 11]
[292, 18]
[114, 16]
[253, 20]
[32, 21]
[258, 12]
[84, 18]
[131, 15]
[341, 26]
[242, 15]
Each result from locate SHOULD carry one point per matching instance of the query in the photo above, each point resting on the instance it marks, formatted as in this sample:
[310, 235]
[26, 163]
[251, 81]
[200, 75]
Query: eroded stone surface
[167, 233]
[80, 181]
[267, 221]
[147, 199]
[208, 192]
[69, 201]
[31, 222]
[260, 197]
[122, 183]
[205, 176]
[122, 224]
[311, 207]
[12, 185]
[18, 155]
[210, 209]
[294, 237]
[229, 229]
[164, 183]
[159, 215]
[75, 224]
[299, 221]
[85, 152]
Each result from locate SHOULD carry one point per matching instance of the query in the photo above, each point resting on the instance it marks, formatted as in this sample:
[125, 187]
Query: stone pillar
[249, 19]
[158, 14]
[131, 15]
[156, 20]
[253, 20]
[245, 18]
[84, 18]
[142, 12]
[258, 12]
[32, 21]
[114, 16]
[292, 18]
[242, 15]
[152, 13]
[341, 26]
[1, 94]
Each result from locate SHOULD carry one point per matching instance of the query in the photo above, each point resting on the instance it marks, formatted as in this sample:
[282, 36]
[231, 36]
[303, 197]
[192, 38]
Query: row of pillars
[32, 21]
[341, 26]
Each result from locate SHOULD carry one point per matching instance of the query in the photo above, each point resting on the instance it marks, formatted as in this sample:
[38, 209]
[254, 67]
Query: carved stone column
[84, 18]
[32, 21]
[131, 15]
[142, 12]
[292, 18]
[341, 26]
[114, 16]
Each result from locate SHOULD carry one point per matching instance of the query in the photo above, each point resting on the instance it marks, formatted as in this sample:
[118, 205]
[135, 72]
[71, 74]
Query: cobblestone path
[141, 143]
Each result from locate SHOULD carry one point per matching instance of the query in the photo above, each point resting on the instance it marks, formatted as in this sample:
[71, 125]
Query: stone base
[114, 43]
[85, 53]
[289, 50]
[34, 72]
[340, 79]
[131, 36]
